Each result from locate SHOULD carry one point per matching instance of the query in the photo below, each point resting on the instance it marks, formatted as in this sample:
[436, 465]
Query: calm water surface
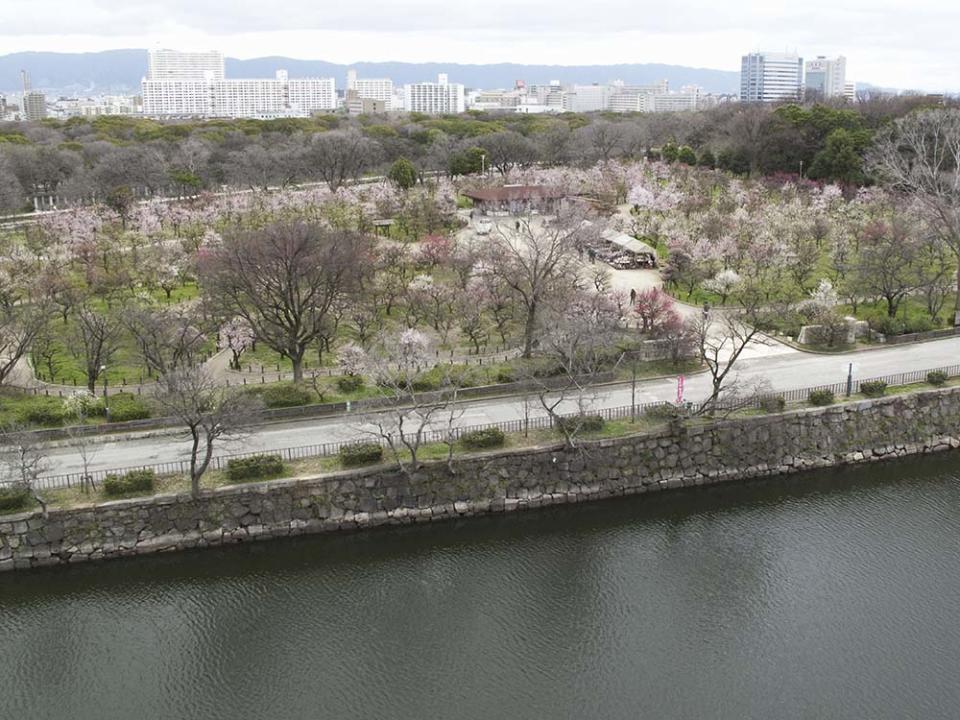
[834, 595]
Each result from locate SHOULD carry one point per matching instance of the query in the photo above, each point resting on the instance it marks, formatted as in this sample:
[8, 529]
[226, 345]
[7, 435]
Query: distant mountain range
[120, 71]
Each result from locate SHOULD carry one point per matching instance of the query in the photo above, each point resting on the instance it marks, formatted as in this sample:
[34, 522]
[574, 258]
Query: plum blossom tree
[236, 335]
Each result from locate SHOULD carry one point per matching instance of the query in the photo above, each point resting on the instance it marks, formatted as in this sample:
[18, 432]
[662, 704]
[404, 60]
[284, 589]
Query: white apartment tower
[380, 89]
[193, 84]
[826, 77]
[771, 77]
[434, 98]
[176, 65]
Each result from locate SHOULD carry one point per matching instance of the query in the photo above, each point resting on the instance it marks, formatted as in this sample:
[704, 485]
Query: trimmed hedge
[937, 378]
[486, 438]
[47, 411]
[135, 481]
[873, 388]
[581, 423]
[665, 411]
[13, 498]
[361, 453]
[286, 394]
[349, 383]
[820, 397]
[774, 404]
[255, 467]
[125, 407]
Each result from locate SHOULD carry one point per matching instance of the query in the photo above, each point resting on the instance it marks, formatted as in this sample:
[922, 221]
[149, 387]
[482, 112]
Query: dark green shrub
[286, 394]
[506, 375]
[873, 388]
[773, 403]
[13, 498]
[821, 397]
[349, 383]
[125, 407]
[581, 423]
[485, 438]
[664, 411]
[886, 325]
[919, 324]
[361, 453]
[255, 467]
[135, 481]
[425, 383]
[46, 411]
[937, 378]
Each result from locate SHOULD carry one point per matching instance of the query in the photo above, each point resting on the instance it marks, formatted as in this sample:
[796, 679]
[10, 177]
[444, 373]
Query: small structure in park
[517, 199]
[624, 252]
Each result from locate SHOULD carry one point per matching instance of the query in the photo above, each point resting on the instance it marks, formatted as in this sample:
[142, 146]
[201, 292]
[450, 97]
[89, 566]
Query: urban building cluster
[194, 84]
[615, 97]
[777, 77]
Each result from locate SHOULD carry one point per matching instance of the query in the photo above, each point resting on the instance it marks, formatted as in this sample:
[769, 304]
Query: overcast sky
[892, 43]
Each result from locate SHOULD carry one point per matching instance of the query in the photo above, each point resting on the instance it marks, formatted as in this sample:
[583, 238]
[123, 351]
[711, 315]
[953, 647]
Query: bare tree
[167, 338]
[579, 344]
[399, 366]
[340, 155]
[23, 460]
[96, 338]
[19, 325]
[209, 411]
[80, 440]
[537, 261]
[507, 149]
[920, 155]
[721, 337]
[286, 281]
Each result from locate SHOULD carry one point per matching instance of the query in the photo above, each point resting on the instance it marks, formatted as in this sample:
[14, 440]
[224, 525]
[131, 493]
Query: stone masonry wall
[679, 456]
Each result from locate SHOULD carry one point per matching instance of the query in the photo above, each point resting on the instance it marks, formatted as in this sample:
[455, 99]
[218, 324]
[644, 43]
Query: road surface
[783, 368]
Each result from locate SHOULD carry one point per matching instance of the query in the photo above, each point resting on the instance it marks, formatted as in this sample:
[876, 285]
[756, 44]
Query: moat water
[832, 595]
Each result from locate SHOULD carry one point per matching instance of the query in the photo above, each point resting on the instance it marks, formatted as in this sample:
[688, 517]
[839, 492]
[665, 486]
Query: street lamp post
[483, 164]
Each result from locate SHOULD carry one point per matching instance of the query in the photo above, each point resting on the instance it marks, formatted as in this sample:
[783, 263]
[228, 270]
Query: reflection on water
[825, 596]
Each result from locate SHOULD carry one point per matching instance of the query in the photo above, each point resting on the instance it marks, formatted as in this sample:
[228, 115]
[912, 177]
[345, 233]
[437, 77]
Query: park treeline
[82, 159]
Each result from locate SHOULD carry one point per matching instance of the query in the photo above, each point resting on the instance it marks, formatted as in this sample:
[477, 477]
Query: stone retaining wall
[678, 456]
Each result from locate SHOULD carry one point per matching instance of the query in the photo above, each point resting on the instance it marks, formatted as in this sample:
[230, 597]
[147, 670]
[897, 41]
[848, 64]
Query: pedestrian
[633, 296]
[592, 254]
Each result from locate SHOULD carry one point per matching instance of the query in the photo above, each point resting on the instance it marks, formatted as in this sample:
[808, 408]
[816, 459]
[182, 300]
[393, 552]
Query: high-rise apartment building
[192, 84]
[587, 98]
[434, 98]
[34, 106]
[176, 65]
[771, 77]
[826, 77]
[380, 89]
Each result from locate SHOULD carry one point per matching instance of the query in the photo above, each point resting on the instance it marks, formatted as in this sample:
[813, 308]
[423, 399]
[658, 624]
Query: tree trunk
[529, 329]
[297, 362]
[194, 475]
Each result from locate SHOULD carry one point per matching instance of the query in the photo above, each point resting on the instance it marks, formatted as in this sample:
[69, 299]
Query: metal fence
[540, 422]
[920, 336]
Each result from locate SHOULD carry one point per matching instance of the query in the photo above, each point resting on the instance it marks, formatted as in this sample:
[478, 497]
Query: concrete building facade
[771, 77]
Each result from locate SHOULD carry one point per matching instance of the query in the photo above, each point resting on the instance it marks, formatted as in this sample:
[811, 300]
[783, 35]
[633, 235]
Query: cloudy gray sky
[888, 42]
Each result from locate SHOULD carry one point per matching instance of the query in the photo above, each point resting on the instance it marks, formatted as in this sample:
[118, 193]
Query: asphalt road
[781, 367]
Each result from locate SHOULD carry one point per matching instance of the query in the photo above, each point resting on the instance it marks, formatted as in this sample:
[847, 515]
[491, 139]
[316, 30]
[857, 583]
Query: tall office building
[176, 65]
[826, 77]
[771, 77]
[587, 98]
[434, 98]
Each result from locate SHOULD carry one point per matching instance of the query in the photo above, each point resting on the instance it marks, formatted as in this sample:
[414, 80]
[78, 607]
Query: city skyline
[880, 38]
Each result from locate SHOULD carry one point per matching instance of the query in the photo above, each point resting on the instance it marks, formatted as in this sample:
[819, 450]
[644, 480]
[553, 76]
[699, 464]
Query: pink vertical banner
[680, 381]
